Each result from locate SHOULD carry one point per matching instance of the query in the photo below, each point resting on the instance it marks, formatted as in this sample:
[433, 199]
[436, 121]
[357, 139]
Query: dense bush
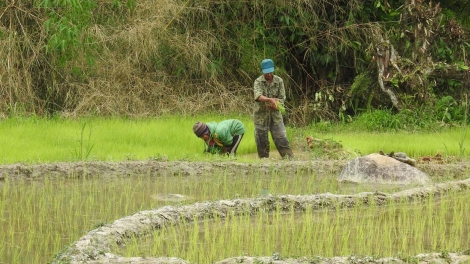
[446, 113]
[146, 58]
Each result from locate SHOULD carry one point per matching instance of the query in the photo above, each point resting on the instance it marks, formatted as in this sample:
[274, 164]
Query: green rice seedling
[84, 148]
[396, 229]
[41, 217]
[36, 140]
[64, 209]
[281, 107]
[414, 144]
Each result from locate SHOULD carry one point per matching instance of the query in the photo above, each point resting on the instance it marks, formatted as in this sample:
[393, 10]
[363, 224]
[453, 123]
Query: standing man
[220, 138]
[268, 90]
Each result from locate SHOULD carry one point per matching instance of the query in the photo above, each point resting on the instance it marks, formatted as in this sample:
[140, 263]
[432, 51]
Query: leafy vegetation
[151, 58]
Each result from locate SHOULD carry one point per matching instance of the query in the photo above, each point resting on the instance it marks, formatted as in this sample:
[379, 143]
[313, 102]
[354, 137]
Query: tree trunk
[385, 57]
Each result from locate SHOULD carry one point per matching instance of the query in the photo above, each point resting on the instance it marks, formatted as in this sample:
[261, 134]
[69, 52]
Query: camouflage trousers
[279, 136]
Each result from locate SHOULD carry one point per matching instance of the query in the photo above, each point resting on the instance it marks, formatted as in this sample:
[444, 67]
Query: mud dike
[94, 247]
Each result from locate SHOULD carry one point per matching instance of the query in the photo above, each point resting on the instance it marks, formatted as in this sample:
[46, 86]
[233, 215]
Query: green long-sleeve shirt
[223, 132]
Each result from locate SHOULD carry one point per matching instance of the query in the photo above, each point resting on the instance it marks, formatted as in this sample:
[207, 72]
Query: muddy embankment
[155, 168]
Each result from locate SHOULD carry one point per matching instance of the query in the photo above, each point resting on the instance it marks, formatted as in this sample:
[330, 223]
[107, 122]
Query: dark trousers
[279, 136]
[232, 149]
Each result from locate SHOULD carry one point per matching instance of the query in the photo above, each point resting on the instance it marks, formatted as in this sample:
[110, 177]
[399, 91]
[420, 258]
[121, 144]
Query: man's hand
[272, 104]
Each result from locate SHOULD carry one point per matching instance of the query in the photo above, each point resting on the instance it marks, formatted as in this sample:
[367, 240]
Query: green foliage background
[149, 58]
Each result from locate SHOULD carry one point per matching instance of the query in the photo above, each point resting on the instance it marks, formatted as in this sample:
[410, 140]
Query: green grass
[35, 140]
[416, 144]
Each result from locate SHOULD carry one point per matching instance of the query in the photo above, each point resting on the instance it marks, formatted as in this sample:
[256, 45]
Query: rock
[377, 168]
[421, 258]
[171, 197]
[400, 156]
[140, 260]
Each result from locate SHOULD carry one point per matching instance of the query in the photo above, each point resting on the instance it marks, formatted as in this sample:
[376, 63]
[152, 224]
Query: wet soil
[438, 170]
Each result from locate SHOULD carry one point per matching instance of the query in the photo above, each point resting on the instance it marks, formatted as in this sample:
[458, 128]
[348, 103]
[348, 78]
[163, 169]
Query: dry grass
[134, 72]
[171, 56]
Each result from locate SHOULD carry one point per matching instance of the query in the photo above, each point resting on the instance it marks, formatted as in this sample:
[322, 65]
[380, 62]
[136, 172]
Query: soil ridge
[151, 167]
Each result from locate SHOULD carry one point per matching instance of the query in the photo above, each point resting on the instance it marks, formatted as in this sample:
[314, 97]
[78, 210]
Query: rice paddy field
[403, 230]
[41, 215]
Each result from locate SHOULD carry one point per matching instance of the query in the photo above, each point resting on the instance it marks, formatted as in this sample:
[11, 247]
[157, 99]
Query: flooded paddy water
[45, 208]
